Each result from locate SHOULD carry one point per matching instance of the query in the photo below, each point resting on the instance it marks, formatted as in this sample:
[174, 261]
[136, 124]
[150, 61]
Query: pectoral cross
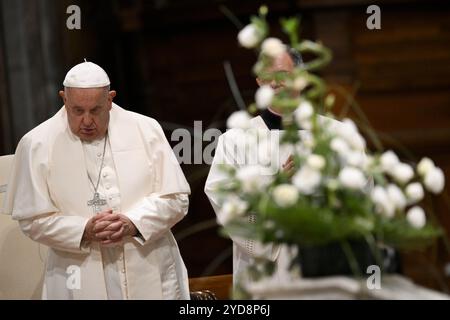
[96, 203]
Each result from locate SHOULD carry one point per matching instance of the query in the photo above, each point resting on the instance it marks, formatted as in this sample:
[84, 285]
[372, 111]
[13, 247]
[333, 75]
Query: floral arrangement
[337, 190]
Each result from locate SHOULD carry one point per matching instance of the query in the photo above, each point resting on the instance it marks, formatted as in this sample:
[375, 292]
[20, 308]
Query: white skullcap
[86, 75]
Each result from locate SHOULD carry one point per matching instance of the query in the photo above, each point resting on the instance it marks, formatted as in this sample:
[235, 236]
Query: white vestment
[48, 194]
[230, 150]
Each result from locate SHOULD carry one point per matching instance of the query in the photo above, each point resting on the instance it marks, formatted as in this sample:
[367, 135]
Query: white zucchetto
[86, 75]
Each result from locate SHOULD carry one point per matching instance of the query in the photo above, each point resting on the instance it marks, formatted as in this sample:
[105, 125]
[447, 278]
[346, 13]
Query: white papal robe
[232, 150]
[48, 194]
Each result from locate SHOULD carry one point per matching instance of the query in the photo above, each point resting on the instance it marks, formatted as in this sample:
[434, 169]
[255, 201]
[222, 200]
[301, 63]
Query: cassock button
[108, 187]
[123, 270]
[99, 154]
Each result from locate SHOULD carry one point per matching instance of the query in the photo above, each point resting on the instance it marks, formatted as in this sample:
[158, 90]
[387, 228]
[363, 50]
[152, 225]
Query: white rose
[382, 202]
[249, 36]
[264, 96]
[434, 180]
[307, 180]
[232, 208]
[402, 172]
[316, 162]
[304, 111]
[355, 158]
[253, 178]
[303, 115]
[239, 119]
[388, 160]
[352, 178]
[416, 217]
[424, 166]
[285, 195]
[396, 196]
[348, 131]
[358, 142]
[340, 146]
[414, 192]
[273, 47]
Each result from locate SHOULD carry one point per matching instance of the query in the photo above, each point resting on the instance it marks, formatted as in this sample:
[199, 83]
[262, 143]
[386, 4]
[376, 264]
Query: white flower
[304, 111]
[253, 178]
[239, 119]
[303, 115]
[264, 96]
[416, 217]
[358, 142]
[307, 180]
[232, 208]
[424, 166]
[285, 195]
[414, 192]
[396, 196]
[249, 36]
[348, 131]
[355, 158]
[434, 180]
[315, 161]
[382, 202]
[352, 178]
[402, 172]
[273, 47]
[340, 146]
[388, 160]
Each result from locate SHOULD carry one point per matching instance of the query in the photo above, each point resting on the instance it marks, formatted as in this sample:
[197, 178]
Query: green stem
[351, 259]
[374, 249]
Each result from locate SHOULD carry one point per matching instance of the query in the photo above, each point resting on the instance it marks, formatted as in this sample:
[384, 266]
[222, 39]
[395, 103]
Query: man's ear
[112, 95]
[259, 82]
[62, 94]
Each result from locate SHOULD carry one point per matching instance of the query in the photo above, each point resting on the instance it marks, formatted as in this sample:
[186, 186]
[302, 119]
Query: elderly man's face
[88, 111]
[281, 64]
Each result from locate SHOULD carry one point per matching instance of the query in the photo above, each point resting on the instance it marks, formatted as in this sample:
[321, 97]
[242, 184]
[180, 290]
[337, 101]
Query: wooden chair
[211, 288]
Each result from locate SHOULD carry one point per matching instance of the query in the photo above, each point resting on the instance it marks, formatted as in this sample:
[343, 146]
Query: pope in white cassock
[101, 187]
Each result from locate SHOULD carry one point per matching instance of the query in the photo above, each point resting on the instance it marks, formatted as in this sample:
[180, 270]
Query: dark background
[165, 59]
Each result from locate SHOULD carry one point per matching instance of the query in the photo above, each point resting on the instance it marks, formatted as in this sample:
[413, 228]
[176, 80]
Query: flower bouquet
[337, 194]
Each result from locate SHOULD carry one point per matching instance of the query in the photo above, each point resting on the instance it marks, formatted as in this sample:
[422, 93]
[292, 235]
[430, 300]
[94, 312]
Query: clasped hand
[108, 228]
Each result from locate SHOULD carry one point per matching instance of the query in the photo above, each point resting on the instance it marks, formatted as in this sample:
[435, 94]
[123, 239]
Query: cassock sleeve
[28, 201]
[168, 204]
[228, 153]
